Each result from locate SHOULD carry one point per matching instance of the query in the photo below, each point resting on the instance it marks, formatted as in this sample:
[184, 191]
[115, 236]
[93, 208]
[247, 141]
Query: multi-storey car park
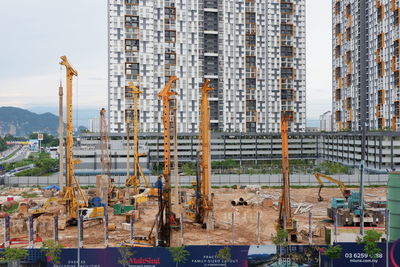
[366, 85]
[252, 51]
[382, 149]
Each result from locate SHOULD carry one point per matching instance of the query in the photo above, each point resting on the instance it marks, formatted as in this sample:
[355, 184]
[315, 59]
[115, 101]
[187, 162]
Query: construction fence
[217, 180]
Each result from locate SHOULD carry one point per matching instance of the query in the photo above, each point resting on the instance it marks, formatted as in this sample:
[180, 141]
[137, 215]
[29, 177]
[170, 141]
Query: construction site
[166, 214]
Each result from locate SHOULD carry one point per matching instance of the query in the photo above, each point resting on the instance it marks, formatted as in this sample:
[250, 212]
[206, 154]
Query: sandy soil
[245, 227]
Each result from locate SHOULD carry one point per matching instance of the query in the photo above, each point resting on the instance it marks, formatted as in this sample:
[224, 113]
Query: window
[348, 10]
[132, 2]
[338, 94]
[132, 21]
[338, 115]
[348, 80]
[250, 17]
[250, 61]
[396, 47]
[381, 123]
[170, 58]
[397, 108]
[381, 97]
[170, 36]
[250, 40]
[380, 40]
[348, 103]
[396, 17]
[131, 45]
[132, 68]
[287, 51]
[337, 28]
[381, 70]
[337, 7]
[396, 75]
[338, 72]
[170, 13]
[287, 94]
[286, 8]
[380, 13]
[348, 57]
[287, 73]
[251, 83]
[348, 34]
[337, 51]
[286, 28]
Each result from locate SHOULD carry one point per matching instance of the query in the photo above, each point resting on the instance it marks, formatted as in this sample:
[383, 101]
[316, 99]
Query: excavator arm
[345, 192]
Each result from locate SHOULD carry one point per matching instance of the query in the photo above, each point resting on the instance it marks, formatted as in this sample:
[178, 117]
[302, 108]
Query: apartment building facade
[252, 51]
[366, 86]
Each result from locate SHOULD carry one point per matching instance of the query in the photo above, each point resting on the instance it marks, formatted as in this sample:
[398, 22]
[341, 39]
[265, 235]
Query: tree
[224, 254]
[281, 237]
[52, 249]
[369, 241]
[178, 254]
[333, 252]
[14, 255]
[125, 253]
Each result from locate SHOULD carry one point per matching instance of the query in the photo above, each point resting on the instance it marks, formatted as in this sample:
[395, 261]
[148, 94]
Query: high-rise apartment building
[325, 122]
[366, 84]
[252, 51]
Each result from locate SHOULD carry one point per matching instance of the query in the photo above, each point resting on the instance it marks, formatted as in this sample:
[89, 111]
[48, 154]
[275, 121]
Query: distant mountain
[21, 122]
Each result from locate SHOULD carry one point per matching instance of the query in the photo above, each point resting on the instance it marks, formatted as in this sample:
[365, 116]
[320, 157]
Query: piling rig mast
[72, 187]
[285, 219]
[105, 153]
[165, 201]
[203, 199]
[134, 179]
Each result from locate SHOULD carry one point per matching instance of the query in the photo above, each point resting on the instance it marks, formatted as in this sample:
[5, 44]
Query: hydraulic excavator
[200, 206]
[345, 192]
[164, 216]
[285, 219]
[72, 189]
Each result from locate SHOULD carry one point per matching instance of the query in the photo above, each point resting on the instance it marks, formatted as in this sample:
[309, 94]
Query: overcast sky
[34, 34]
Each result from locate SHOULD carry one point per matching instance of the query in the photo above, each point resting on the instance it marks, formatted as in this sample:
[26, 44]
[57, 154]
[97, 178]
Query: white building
[94, 125]
[366, 80]
[253, 51]
[325, 122]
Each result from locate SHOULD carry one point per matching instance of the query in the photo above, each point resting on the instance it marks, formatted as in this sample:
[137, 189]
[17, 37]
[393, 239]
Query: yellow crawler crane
[72, 188]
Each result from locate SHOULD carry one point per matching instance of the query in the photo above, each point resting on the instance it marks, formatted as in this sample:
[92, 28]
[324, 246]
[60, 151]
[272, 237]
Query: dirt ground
[245, 229]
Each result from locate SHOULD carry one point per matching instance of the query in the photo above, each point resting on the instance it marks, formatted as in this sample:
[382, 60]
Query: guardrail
[217, 180]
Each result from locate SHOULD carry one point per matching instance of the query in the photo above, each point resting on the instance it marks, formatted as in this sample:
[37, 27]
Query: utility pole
[61, 138]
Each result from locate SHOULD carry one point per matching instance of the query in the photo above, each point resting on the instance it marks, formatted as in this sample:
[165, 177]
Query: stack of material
[102, 187]
[239, 202]
[303, 208]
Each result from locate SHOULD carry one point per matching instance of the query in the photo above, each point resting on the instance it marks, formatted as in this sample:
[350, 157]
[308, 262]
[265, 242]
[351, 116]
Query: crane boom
[345, 192]
[165, 95]
[69, 189]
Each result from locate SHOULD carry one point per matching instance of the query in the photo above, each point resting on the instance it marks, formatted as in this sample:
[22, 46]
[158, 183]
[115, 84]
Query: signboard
[40, 137]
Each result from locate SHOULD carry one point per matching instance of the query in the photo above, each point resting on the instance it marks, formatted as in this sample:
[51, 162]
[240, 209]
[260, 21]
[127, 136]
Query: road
[22, 152]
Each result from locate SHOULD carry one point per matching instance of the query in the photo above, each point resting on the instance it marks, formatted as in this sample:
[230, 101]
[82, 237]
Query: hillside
[21, 122]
